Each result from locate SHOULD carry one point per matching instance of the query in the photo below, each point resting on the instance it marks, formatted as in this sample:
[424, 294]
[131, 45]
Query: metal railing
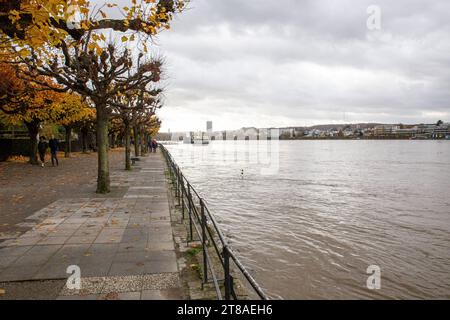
[213, 244]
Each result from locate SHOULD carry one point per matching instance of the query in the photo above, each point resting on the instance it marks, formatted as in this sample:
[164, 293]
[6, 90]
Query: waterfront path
[122, 244]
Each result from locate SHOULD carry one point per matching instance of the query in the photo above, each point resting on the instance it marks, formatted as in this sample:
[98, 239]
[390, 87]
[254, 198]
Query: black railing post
[179, 186]
[190, 211]
[205, 261]
[175, 174]
[171, 173]
[183, 190]
[228, 283]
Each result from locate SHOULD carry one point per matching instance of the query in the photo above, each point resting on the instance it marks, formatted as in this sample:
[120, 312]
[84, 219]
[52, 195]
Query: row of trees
[23, 102]
[32, 101]
[59, 47]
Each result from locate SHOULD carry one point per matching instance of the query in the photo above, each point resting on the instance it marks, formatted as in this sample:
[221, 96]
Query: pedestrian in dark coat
[54, 147]
[42, 149]
[154, 145]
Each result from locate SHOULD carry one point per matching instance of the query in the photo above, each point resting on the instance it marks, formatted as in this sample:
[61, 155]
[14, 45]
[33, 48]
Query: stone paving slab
[123, 246]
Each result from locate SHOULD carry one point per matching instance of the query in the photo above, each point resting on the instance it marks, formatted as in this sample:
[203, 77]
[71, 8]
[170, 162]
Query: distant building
[384, 131]
[441, 132]
[426, 130]
[209, 127]
[433, 131]
[249, 133]
[287, 133]
[348, 132]
[405, 132]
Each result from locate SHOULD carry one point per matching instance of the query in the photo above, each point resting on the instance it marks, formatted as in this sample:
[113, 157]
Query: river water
[309, 217]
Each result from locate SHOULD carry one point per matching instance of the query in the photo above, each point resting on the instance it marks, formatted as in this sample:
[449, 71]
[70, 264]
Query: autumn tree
[115, 131]
[143, 121]
[99, 78]
[12, 89]
[63, 39]
[131, 107]
[123, 113]
[84, 127]
[72, 112]
[28, 103]
[40, 23]
[152, 126]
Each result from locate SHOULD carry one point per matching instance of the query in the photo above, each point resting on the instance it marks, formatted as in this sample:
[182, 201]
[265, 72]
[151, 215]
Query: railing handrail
[203, 217]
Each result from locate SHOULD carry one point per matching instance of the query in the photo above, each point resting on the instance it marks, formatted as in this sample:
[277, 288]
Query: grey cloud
[297, 62]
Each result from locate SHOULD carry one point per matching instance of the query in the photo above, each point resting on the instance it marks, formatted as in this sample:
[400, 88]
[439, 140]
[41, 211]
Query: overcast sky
[304, 62]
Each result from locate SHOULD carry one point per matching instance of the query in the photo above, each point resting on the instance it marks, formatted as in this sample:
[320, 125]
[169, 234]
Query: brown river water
[309, 227]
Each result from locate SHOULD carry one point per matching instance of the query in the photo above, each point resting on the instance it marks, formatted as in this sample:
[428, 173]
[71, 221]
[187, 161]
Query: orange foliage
[39, 24]
[22, 101]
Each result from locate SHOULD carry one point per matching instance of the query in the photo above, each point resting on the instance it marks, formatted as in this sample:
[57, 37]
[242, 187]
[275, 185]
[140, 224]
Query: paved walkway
[123, 246]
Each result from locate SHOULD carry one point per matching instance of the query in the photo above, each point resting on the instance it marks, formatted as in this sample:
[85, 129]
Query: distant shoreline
[318, 139]
[361, 138]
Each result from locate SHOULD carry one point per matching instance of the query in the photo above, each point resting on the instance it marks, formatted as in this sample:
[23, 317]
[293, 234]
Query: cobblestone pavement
[124, 246]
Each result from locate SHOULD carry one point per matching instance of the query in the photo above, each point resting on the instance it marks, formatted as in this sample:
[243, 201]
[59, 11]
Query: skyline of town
[438, 130]
[209, 125]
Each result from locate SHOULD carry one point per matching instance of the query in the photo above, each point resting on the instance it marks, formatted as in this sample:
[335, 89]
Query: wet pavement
[123, 246]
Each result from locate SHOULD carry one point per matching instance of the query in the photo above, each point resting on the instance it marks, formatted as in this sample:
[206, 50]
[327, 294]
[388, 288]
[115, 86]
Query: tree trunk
[84, 136]
[33, 130]
[114, 140]
[144, 142]
[83, 142]
[136, 141]
[127, 146]
[103, 180]
[68, 147]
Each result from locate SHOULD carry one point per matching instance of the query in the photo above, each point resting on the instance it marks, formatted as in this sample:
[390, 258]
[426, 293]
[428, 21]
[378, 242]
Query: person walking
[149, 146]
[54, 147]
[42, 149]
[154, 145]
